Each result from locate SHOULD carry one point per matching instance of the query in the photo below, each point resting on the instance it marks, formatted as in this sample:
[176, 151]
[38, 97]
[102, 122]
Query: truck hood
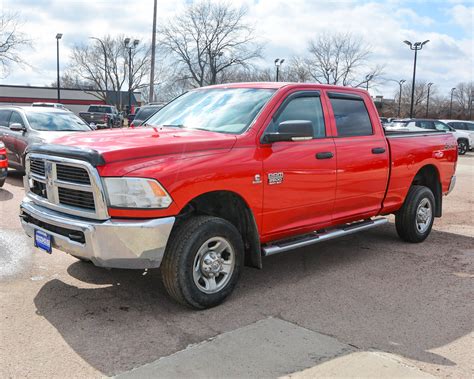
[132, 143]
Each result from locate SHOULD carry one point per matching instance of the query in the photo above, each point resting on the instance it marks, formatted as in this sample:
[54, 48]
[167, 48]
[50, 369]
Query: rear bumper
[137, 244]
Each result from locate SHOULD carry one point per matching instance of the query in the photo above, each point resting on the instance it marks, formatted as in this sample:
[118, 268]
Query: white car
[465, 140]
[463, 127]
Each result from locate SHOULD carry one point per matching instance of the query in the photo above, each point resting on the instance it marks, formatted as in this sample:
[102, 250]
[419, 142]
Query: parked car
[226, 175]
[464, 140]
[23, 126]
[3, 164]
[144, 113]
[50, 105]
[131, 115]
[463, 127]
[102, 116]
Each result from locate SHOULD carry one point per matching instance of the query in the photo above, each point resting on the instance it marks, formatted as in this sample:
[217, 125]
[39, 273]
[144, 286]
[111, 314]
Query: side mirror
[292, 130]
[17, 127]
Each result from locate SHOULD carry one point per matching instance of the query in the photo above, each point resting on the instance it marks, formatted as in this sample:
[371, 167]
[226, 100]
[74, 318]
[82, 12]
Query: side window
[4, 117]
[440, 126]
[352, 118]
[469, 126]
[16, 119]
[457, 125]
[425, 124]
[306, 108]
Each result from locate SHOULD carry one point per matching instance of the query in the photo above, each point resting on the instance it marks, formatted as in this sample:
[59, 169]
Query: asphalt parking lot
[371, 291]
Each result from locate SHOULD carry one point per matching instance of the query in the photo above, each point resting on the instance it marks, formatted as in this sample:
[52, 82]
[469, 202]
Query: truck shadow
[15, 178]
[369, 290]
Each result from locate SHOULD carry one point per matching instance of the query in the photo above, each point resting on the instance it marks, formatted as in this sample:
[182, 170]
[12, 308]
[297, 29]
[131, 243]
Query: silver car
[22, 126]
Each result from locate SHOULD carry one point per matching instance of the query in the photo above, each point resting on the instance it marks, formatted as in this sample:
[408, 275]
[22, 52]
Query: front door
[299, 176]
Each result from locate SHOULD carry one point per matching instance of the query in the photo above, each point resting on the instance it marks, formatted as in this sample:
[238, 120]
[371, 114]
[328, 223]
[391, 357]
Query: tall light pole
[105, 67]
[153, 47]
[400, 83]
[130, 47]
[428, 99]
[278, 63]
[451, 102]
[58, 37]
[414, 46]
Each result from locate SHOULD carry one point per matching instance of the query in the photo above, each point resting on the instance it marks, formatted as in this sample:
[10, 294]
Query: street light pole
[368, 78]
[428, 99]
[130, 83]
[416, 46]
[451, 102]
[153, 47]
[278, 63]
[58, 37]
[400, 83]
[105, 67]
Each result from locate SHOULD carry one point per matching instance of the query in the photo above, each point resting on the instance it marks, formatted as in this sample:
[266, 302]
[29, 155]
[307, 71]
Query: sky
[284, 25]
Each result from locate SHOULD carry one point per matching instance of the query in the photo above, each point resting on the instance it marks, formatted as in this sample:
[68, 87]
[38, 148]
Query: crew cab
[102, 116]
[225, 175]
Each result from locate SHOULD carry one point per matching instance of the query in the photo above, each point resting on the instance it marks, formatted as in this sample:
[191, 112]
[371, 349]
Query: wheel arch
[233, 208]
[428, 176]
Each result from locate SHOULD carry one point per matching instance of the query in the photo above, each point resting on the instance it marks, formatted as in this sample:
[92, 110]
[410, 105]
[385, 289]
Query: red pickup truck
[225, 175]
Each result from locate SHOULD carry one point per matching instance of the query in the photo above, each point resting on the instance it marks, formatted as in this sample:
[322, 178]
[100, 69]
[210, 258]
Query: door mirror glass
[292, 130]
[17, 127]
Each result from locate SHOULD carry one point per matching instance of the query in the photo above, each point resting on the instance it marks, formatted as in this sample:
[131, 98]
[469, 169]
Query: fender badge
[257, 179]
[275, 178]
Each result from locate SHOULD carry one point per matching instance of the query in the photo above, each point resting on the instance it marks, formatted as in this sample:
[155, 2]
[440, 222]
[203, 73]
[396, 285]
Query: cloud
[286, 26]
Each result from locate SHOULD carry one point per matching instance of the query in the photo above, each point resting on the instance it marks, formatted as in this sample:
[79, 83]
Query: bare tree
[464, 96]
[208, 39]
[88, 63]
[340, 59]
[11, 41]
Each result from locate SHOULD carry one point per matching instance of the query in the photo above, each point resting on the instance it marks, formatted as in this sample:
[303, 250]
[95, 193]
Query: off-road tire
[178, 260]
[405, 218]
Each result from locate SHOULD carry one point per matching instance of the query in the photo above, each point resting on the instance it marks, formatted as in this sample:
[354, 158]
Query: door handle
[378, 150]
[325, 155]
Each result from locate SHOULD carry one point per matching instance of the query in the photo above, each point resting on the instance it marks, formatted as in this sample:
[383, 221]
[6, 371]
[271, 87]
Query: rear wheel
[203, 261]
[415, 219]
[462, 147]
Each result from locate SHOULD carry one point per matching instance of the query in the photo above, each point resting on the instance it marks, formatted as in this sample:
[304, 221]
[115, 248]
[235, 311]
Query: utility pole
[416, 46]
[451, 103]
[58, 37]
[153, 47]
[428, 99]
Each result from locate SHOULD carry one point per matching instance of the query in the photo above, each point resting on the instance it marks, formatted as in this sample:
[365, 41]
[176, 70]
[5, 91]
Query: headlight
[136, 193]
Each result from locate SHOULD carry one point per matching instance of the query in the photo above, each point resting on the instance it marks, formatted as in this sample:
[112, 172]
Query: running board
[315, 237]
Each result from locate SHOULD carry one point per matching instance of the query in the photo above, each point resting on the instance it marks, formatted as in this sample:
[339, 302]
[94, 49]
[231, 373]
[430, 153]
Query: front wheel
[462, 147]
[203, 261]
[415, 219]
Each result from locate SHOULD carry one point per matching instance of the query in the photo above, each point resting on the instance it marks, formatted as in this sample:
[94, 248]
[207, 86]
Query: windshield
[223, 110]
[99, 109]
[56, 121]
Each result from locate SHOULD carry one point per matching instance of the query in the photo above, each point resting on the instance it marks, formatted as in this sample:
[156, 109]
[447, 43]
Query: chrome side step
[312, 238]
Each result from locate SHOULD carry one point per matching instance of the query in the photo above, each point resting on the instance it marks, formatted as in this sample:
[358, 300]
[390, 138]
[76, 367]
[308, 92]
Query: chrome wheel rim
[213, 265]
[424, 215]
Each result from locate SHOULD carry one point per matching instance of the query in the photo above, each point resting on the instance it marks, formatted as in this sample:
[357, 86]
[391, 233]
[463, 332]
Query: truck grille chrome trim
[66, 185]
[312, 238]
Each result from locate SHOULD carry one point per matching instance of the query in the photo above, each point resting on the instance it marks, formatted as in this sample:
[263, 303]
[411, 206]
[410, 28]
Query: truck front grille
[65, 185]
[75, 198]
[72, 174]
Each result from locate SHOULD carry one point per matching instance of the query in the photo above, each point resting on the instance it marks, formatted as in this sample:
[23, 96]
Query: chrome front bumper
[137, 244]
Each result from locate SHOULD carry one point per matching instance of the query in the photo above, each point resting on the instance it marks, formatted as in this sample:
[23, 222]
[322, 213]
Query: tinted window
[425, 124]
[99, 109]
[16, 119]
[146, 112]
[303, 108]
[352, 118]
[469, 126]
[457, 125]
[4, 117]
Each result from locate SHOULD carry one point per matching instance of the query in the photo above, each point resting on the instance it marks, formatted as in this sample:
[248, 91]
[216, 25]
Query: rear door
[362, 158]
[299, 176]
